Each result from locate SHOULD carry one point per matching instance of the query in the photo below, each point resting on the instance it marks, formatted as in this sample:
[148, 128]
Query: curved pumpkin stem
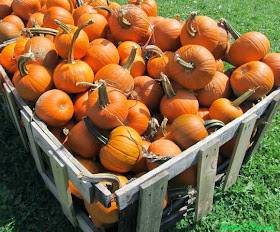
[63, 26]
[22, 63]
[163, 126]
[235, 34]
[178, 17]
[167, 87]
[128, 64]
[244, 97]
[187, 65]
[104, 8]
[104, 140]
[154, 158]
[122, 20]
[75, 36]
[103, 98]
[191, 31]
[155, 49]
[41, 30]
[213, 123]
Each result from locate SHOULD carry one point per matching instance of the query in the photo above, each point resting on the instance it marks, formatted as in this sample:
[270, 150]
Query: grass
[27, 205]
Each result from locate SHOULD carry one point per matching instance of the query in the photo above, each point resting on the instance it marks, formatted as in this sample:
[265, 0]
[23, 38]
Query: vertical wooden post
[207, 168]
[5, 98]
[128, 218]
[61, 182]
[241, 145]
[150, 204]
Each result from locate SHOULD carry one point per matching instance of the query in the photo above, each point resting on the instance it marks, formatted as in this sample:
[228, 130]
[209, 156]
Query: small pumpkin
[149, 6]
[222, 48]
[203, 112]
[14, 20]
[85, 8]
[7, 58]
[59, 14]
[125, 48]
[273, 61]
[5, 8]
[66, 4]
[138, 67]
[20, 46]
[38, 17]
[8, 31]
[80, 105]
[24, 8]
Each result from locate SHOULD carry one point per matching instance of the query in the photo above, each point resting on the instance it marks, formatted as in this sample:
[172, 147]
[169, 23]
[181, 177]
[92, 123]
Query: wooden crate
[57, 166]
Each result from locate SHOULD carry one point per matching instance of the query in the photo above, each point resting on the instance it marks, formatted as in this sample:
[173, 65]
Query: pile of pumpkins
[119, 85]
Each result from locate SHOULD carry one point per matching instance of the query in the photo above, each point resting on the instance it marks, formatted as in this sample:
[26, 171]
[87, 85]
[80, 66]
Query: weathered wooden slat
[16, 117]
[128, 218]
[50, 185]
[5, 99]
[129, 193]
[34, 148]
[150, 205]
[59, 171]
[241, 145]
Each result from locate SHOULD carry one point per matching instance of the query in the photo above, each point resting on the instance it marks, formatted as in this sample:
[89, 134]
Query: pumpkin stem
[41, 30]
[166, 85]
[108, 3]
[178, 17]
[75, 36]
[187, 65]
[79, 3]
[103, 98]
[244, 97]
[104, 8]
[154, 158]
[86, 83]
[213, 123]
[139, 2]
[34, 23]
[163, 126]
[155, 49]
[104, 140]
[63, 26]
[22, 63]
[191, 31]
[235, 34]
[122, 20]
[128, 64]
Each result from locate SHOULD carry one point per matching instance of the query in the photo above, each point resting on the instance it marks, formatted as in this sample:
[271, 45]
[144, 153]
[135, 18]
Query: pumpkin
[125, 48]
[78, 12]
[60, 132]
[66, 4]
[153, 20]
[175, 104]
[218, 87]
[5, 8]
[100, 53]
[54, 107]
[149, 6]
[138, 116]
[138, 67]
[254, 74]
[80, 105]
[193, 67]
[20, 46]
[7, 58]
[63, 40]
[24, 8]
[200, 30]
[220, 65]
[167, 34]
[129, 23]
[8, 31]
[102, 7]
[140, 165]
[187, 177]
[273, 61]
[147, 91]
[159, 62]
[221, 50]
[14, 20]
[38, 17]
[32, 80]
[68, 73]
[107, 107]
[59, 14]
[203, 112]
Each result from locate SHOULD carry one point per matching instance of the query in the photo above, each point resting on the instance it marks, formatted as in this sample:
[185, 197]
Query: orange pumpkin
[273, 61]
[14, 20]
[125, 48]
[59, 14]
[38, 17]
[149, 6]
[66, 4]
[8, 31]
[7, 58]
[25, 8]
[5, 8]
[78, 12]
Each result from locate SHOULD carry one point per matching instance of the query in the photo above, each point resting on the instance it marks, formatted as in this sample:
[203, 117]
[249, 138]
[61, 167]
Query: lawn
[252, 203]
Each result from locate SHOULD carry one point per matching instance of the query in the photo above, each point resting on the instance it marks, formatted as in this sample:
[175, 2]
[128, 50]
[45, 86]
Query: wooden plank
[5, 99]
[16, 117]
[150, 204]
[129, 193]
[266, 120]
[61, 182]
[50, 185]
[34, 148]
[128, 218]
[241, 145]
[207, 169]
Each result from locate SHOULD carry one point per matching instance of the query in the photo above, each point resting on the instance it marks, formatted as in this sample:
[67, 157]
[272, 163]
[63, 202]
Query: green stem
[187, 65]
[235, 34]
[167, 87]
[41, 30]
[155, 49]
[122, 20]
[75, 36]
[128, 64]
[103, 98]
[104, 140]
[244, 97]
[22, 63]
[64, 27]
[34, 23]
[213, 123]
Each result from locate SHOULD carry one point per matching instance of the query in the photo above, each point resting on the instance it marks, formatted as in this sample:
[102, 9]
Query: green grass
[27, 205]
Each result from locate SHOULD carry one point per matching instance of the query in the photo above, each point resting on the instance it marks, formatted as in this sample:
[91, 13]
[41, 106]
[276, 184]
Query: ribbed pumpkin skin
[20, 46]
[66, 76]
[138, 67]
[8, 31]
[125, 48]
[66, 4]
[167, 34]
[100, 53]
[80, 105]
[218, 87]
[252, 75]
[7, 58]
[149, 6]
[220, 65]
[78, 12]
[273, 61]
[104, 118]
[138, 116]
[204, 67]
[162, 148]
[122, 151]
[140, 165]
[58, 13]
[187, 130]
[203, 112]
[14, 20]
[24, 8]
[223, 45]
[82, 142]
[5, 8]
[54, 107]
[222, 109]
[33, 85]
[208, 35]
[147, 91]
[139, 24]
[251, 46]
[184, 102]
[38, 16]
